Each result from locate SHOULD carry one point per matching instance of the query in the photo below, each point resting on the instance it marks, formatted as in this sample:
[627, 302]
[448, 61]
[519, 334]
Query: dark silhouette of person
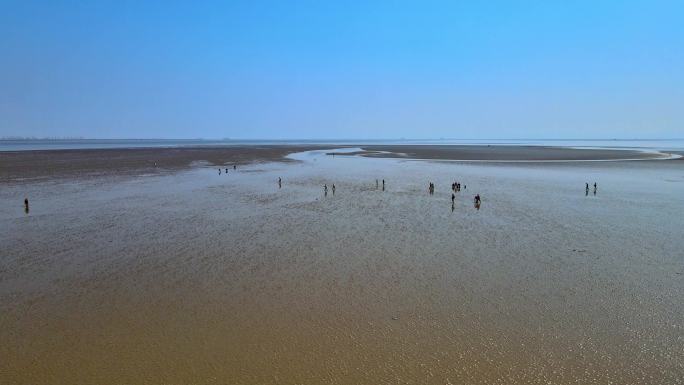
[383, 185]
[453, 197]
[234, 167]
[280, 182]
[219, 171]
[325, 189]
[26, 206]
[478, 201]
[333, 188]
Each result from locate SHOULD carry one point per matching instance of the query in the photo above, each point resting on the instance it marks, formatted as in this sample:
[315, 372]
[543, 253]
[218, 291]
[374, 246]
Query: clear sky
[324, 69]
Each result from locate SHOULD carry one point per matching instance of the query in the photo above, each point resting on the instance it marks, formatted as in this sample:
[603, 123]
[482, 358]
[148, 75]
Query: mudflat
[19, 165]
[23, 165]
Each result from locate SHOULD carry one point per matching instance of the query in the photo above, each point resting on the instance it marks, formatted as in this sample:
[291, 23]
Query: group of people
[325, 189]
[456, 186]
[234, 168]
[586, 191]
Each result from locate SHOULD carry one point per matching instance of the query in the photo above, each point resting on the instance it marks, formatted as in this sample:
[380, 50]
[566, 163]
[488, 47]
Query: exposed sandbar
[21, 165]
[498, 153]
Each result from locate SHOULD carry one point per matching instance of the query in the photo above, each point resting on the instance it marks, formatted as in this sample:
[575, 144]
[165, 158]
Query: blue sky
[322, 70]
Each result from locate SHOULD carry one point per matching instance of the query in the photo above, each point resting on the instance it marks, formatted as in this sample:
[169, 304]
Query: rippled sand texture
[199, 278]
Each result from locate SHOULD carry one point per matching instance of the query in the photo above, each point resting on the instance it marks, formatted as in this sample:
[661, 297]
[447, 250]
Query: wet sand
[195, 277]
[498, 153]
[20, 165]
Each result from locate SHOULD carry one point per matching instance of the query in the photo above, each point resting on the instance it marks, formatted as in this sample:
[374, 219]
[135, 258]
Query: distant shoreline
[17, 144]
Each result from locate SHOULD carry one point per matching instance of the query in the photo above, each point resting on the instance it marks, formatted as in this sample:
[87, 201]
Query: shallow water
[197, 277]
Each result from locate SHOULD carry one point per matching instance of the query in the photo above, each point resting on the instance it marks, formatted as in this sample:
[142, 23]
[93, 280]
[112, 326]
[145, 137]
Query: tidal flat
[191, 276]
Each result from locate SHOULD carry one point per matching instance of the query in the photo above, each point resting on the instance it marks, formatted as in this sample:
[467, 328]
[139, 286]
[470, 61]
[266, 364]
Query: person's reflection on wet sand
[452, 206]
[477, 204]
[26, 205]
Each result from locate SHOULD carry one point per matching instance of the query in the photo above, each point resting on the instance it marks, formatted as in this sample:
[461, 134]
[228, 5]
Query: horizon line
[15, 138]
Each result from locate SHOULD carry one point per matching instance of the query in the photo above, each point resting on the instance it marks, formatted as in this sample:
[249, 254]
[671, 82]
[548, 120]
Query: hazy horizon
[278, 71]
[10, 138]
